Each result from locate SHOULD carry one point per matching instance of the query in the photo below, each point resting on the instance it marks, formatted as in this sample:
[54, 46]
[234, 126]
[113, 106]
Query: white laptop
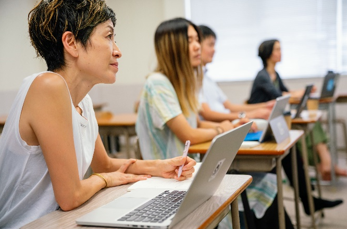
[254, 139]
[134, 209]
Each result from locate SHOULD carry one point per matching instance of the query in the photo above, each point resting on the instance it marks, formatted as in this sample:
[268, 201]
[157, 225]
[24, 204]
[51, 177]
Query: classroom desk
[306, 123]
[207, 215]
[112, 125]
[263, 158]
[328, 104]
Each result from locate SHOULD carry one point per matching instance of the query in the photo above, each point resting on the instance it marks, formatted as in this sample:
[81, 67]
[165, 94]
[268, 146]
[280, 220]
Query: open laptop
[329, 86]
[254, 139]
[122, 211]
[301, 106]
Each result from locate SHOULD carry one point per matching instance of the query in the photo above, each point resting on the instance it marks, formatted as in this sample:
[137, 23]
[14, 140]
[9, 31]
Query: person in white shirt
[51, 136]
[215, 106]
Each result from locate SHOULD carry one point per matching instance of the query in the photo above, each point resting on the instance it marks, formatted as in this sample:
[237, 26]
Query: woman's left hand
[169, 168]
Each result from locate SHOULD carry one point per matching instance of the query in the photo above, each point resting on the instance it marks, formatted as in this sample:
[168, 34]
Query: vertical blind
[312, 33]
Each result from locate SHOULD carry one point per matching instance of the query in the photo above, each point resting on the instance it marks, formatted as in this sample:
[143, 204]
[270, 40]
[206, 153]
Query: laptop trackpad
[125, 203]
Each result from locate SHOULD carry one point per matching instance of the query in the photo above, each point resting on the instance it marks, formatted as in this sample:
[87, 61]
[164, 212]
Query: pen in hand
[185, 152]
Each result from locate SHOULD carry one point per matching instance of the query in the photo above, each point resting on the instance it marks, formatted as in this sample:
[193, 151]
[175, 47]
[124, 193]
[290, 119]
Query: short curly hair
[49, 19]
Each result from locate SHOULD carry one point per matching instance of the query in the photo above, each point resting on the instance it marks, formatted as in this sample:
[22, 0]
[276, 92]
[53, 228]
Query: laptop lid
[215, 165]
[277, 110]
[207, 179]
[329, 85]
[301, 106]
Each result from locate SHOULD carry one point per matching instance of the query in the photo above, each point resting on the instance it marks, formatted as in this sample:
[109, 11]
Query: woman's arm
[214, 116]
[102, 163]
[47, 111]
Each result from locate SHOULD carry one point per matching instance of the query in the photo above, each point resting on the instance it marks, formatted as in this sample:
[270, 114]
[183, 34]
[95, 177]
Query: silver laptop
[133, 208]
[254, 139]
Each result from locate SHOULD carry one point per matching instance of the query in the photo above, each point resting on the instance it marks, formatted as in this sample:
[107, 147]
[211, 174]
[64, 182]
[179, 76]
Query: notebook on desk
[254, 139]
[142, 207]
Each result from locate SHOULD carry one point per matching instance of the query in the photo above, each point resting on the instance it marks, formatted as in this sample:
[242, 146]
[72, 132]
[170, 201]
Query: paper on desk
[162, 183]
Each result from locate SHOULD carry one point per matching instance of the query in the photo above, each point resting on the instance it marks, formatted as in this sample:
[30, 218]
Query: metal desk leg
[235, 214]
[308, 182]
[127, 142]
[315, 161]
[281, 217]
[332, 140]
[296, 187]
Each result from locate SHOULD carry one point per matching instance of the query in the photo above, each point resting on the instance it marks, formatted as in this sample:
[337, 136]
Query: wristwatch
[242, 114]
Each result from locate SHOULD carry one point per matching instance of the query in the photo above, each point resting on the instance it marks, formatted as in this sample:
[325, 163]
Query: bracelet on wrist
[102, 177]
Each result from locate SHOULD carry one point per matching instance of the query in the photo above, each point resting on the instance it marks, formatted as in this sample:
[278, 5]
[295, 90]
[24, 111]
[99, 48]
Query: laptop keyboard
[158, 209]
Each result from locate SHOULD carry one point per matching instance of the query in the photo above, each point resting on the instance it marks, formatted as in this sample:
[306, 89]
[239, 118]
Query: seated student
[168, 110]
[215, 106]
[209, 39]
[268, 85]
[51, 134]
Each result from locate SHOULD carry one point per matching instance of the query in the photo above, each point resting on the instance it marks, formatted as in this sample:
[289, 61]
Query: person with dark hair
[268, 85]
[215, 106]
[168, 102]
[51, 135]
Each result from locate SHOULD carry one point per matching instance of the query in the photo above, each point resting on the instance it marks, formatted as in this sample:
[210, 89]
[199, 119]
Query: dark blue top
[264, 89]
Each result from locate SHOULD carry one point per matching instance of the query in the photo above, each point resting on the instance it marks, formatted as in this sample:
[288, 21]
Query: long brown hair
[172, 51]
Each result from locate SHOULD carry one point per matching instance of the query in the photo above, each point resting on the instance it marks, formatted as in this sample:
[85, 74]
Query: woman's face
[276, 53]
[207, 49]
[194, 47]
[99, 60]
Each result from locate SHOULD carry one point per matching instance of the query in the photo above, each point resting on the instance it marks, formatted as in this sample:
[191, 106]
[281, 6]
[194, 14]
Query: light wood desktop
[207, 215]
[263, 158]
[114, 125]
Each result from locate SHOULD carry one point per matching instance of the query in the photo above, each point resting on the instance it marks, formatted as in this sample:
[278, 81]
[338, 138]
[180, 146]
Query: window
[313, 35]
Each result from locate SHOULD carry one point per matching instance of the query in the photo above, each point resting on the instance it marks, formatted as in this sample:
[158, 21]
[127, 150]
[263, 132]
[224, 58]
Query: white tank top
[26, 191]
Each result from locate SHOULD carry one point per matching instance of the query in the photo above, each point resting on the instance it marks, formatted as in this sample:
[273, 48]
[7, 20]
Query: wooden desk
[263, 158]
[207, 215]
[328, 104]
[306, 124]
[121, 124]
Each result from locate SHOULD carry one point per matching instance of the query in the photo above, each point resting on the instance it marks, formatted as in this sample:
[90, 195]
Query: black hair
[49, 19]
[265, 50]
[207, 32]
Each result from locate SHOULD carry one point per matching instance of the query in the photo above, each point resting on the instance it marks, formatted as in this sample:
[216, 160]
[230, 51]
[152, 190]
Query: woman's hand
[242, 121]
[119, 177]
[169, 168]
[226, 125]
